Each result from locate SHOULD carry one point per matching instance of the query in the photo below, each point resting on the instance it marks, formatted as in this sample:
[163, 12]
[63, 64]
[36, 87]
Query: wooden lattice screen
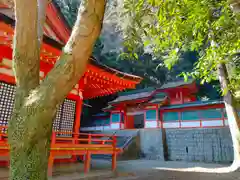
[63, 122]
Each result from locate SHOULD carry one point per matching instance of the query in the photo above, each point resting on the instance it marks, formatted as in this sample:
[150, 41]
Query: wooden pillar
[164, 138]
[78, 114]
[79, 106]
[114, 155]
[87, 162]
[51, 157]
[181, 97]
[78, 117]
[125, 118]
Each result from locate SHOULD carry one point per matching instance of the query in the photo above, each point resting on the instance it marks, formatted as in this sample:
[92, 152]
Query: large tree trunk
[233, 119]
[35, 105]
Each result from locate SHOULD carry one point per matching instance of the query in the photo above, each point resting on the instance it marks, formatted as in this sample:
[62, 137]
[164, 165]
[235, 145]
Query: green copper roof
[148, 92]
[164, 86]
[150, 89]
[192, 104]
[131, 97]
[176, 84]
[160, 95]
[158, 98]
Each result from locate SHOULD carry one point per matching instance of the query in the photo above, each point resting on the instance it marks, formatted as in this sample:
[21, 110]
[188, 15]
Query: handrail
[73, 146]
[90, 138]
[128, 141]
[82, 139]
[96, 135]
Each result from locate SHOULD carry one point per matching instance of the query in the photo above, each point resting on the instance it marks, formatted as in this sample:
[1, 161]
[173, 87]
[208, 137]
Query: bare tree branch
[72, 63]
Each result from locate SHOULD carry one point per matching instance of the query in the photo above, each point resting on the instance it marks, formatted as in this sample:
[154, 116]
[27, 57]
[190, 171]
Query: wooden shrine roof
[100, 79]
[175, 84]
[132, 97]
[149, 92]
[152, 99]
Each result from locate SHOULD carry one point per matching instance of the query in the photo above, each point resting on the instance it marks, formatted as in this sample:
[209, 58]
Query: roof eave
[59, 46]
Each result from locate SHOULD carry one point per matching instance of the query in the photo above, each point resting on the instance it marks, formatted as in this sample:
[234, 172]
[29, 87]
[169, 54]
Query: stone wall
[204, 145]
[151, 144]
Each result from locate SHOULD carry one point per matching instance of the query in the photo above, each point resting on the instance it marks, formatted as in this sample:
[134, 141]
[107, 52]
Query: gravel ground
[143, 170]
[177, 175]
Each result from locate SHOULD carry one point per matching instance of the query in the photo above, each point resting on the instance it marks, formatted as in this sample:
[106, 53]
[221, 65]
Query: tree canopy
[170, 28]
[109, 49]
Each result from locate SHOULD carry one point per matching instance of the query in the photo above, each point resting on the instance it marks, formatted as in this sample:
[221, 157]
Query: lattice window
[7, 92]
[68, 116]
[57, 121]
[65, 116]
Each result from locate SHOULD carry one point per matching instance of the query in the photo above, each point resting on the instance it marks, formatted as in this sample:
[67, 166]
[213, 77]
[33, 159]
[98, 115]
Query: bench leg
[114, 161]
[50, 165]
[87, 162]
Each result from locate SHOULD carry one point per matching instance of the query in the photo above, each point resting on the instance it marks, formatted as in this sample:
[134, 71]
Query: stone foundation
[203, 145]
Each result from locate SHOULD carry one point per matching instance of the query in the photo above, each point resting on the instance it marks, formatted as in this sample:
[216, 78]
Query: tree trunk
[30, 144]
[233, 119]
[35, 105]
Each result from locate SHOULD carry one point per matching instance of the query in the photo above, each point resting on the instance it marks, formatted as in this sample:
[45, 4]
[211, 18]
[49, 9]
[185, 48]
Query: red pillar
[51, 157]
[87, 162]
[125, 118]
[78, 117]
[79, 104]
[78, 113]
[114, 155]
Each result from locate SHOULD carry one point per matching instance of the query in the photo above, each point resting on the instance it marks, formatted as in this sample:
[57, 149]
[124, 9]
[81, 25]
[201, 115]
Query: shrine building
[67, 144]
[173, 105]
[168, 123]
[98, 80]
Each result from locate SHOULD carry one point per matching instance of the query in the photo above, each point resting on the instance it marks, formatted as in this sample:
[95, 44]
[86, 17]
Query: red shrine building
[173, 105]
[98, 80]
[168, 123]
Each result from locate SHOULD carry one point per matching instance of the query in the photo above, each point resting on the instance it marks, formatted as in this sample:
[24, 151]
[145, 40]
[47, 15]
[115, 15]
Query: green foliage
[139, 25]
[140, 64]
[69, 9]
[171, 27]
